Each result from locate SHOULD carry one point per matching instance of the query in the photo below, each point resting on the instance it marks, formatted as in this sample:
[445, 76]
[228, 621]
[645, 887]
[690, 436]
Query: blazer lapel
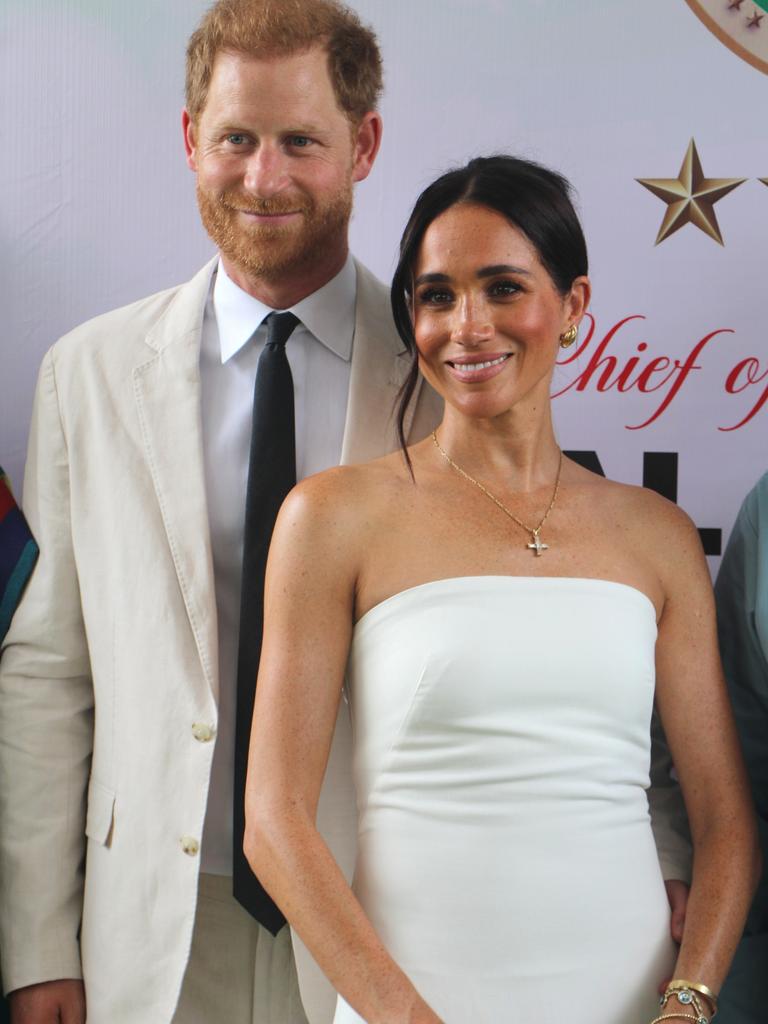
[379, 366]
[167, 389]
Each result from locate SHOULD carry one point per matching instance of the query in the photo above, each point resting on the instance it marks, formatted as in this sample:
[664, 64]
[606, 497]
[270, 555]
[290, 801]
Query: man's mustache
[265, 207]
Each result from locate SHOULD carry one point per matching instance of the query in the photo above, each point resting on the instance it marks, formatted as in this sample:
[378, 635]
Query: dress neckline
[537, 580]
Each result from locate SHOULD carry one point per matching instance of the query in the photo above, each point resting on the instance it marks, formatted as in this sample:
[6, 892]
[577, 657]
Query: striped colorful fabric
[18, 554]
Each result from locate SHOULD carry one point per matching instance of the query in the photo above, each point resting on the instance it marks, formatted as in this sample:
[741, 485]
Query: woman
[498, 608]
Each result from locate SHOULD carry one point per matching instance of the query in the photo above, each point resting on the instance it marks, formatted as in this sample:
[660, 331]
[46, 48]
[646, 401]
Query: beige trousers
[237, 972]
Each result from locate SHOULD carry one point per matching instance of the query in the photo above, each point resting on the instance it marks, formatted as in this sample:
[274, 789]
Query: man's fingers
[677, 894]
[50, 1002]
[73, 1011]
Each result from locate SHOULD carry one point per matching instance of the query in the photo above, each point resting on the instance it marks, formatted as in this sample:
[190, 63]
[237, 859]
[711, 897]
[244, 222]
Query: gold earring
[568, 337]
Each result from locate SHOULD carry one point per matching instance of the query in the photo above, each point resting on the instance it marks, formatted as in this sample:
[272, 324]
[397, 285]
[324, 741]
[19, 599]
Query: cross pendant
[536, 545]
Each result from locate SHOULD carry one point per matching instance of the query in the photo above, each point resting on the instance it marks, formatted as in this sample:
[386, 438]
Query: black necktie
[271, 474]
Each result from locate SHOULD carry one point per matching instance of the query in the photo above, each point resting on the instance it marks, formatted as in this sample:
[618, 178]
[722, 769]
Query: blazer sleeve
[46, 727]
[741, 593]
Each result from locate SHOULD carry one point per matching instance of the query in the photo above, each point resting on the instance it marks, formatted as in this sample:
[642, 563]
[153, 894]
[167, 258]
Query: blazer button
[190, 846]
[202, 732]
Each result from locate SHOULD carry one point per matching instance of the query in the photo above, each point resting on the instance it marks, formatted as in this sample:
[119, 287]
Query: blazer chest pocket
[100, 816]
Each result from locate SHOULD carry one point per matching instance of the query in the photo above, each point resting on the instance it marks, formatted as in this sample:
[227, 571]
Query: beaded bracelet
[674, 1016]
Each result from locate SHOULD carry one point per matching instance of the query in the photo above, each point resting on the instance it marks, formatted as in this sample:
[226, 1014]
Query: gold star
[754, 21]
[690, 197]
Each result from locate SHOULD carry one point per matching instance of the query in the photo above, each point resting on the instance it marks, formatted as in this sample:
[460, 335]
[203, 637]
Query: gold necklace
[536, 544]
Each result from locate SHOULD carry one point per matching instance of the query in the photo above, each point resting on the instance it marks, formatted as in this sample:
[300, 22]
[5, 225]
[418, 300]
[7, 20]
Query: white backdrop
[97, 207]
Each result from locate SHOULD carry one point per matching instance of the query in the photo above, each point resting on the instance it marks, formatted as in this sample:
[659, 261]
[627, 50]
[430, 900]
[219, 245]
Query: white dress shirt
[319, 352]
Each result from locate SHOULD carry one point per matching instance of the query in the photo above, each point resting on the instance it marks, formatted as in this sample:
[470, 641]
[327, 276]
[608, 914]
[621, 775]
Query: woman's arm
[313, 565]
[698, 722]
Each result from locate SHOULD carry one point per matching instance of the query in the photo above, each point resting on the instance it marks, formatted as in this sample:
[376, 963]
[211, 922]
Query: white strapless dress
[505, 854]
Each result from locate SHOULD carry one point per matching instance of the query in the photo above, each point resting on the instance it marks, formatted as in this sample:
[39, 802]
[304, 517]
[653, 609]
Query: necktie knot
[280, 326]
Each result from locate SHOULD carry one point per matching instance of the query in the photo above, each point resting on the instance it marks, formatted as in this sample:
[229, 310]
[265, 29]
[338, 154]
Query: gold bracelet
[689, 1001]
[697, 985]
[673, 1016]
[681, 985]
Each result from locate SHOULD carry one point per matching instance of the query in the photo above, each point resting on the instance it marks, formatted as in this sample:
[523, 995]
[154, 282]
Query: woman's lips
[473, 369]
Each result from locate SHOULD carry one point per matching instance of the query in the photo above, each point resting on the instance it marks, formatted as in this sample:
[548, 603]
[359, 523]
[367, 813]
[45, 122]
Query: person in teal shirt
[18, 554]
[741, 593]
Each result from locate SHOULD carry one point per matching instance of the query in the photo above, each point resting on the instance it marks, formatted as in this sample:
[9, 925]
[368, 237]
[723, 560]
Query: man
[742, 617]
[119, 677]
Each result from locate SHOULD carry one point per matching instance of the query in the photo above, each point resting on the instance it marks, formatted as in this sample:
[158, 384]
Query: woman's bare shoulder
[647, 508]
[346, 500]
[654, 524]
[362, 480]
[662, 521]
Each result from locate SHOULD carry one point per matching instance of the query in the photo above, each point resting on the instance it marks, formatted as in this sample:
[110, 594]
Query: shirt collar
[328, 314]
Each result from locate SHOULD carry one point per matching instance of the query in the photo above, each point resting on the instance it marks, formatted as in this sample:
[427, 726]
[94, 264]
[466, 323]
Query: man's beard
[266, 251]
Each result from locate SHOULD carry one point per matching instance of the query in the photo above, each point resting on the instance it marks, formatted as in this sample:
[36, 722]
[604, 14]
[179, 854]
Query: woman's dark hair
[533, 199]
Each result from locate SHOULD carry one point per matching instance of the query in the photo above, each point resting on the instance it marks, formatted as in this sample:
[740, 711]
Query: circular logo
[741, 24]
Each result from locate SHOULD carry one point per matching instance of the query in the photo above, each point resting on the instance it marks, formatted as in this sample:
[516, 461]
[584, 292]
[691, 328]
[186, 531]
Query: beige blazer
[112, 656]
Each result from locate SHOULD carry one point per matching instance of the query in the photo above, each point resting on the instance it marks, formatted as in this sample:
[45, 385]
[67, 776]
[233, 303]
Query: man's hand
[677, 894]
[50, 1002]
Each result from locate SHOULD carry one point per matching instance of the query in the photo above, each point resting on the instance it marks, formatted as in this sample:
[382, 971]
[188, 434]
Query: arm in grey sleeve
[741, 592]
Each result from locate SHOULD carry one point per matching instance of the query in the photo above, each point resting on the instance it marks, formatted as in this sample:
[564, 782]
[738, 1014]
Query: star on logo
[737, 25]
[690, 197]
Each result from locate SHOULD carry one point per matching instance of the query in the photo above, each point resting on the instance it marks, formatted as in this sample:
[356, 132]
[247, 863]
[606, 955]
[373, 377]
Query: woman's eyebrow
[432, 279]
[497, 268]
[501, 268]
